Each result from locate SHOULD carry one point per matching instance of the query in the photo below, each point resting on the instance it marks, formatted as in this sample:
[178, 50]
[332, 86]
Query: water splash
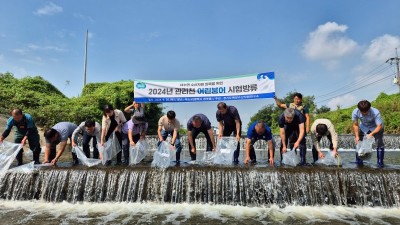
[243, 186]
[38, 212]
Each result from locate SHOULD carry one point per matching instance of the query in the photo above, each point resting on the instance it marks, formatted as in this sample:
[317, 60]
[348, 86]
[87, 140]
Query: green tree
[49, 106]
[323, 109]
[270, 113]
[387, 105]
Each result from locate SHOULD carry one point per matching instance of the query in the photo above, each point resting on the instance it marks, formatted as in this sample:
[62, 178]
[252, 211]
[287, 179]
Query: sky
[334, 50]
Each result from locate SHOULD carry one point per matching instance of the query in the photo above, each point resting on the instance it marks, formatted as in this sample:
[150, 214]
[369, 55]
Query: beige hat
[138, 117]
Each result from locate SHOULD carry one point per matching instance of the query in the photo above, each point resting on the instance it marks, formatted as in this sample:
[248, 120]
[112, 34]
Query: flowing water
[199, 194]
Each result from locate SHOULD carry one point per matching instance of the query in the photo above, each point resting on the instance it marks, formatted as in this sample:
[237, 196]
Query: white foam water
[38, 212]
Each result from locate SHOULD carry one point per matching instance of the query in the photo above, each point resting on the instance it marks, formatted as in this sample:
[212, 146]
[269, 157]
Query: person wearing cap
[258, 130]
[58, 134]
[90, 130]
[319, 129]
[169, 125]
[371, 125]
[132, 131]
[229, 122]
[25, 130]
[199, 123]
[112, 121]
[135, 107]
[291, 130]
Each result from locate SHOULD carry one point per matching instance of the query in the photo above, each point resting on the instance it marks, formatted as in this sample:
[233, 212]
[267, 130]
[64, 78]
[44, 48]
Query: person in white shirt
[319, 129]
[112, 121]
[169, 125]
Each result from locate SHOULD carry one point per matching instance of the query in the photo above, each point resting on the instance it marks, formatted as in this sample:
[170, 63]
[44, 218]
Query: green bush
[387, 105]
[49, 106]
[271, 113]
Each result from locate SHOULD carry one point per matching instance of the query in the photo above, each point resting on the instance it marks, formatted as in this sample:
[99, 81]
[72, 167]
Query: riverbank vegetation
[48, 105]
[388, 105]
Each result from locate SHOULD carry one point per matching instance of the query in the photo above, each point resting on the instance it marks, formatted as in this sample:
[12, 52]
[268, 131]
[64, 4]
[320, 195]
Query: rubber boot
[36, 154]
[359, 161]
[178, 156]
[95, 153]
[75, 160]
[236, 154]
[119, 158]
[19, 157]
[315, 155]
[302, 157]
[126, 156]
[253, 158]
[380, 153]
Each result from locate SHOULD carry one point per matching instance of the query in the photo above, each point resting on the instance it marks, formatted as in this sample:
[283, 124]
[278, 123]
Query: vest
[298, 107]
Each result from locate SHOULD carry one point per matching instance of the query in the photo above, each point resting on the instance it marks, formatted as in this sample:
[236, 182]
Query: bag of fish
[162, 156]
[364, 148]
[208, 157]
[8, 152]
[84, 160]
[226, 147]
[290, 158]
[328, 160]
[107, 149]
[138, 152]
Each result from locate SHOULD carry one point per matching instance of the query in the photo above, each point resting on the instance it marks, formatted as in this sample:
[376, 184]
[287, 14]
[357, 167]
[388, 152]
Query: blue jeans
[85, 145]
[177, 143]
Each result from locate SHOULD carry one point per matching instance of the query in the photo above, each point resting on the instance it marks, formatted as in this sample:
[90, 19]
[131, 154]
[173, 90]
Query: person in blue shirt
[259, 131]
[58, 134]
[25, 129]
[371, 124]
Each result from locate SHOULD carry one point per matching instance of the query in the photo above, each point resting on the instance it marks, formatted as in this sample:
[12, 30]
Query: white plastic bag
[105, 150]
[226, 147]
[162, 157]
[28, 154]
[26, 168]
[110, 149]
[208, 157]
[138, 152]
[84, 160]
[328, 160]
[43, 165]
[116, 146]
[290, 158]
[364, 148]
[29, 167]
[8, 152]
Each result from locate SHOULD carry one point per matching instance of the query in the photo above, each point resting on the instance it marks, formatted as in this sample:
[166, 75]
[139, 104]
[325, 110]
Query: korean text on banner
[251, 86]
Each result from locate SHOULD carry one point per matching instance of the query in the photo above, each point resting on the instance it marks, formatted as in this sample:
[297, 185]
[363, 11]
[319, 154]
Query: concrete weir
[230, 185]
